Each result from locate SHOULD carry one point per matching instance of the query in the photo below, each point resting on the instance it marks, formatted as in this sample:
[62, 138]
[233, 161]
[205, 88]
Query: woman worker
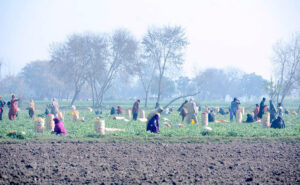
[153, 120]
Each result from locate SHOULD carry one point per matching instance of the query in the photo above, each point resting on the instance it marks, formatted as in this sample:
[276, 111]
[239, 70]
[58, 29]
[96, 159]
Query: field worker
[119, 110]
[2, 104]
[112, 111]
[234, 106]
[249, 119]
[31, 109]
[54, 107]
[272, 111]
[47, 109]
[280, 110]
[211, 116]
[261, 110]
[135, 109]
[59, 127]
[221, 111]
[153, 120]
[256, 111]
[192, 111]
[183, 113]
[181, 107]
[13, 110]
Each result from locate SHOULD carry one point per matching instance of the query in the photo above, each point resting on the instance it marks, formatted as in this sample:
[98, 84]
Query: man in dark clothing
[211, 116]
[181, 107]
[135, 109]
[272, 111]
[250, 118]
[234, 107]
[261, 109]
[278, 123]
[2, 104]
[112, 111]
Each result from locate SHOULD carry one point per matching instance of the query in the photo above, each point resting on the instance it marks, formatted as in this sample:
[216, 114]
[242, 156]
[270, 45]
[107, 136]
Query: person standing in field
[234, 106]
[13, 110]
[256, 111]
[2, 104]
[280, 110]
[153, 120]
[54, 107]
[31, 109]
[261, 109]
[181, 106]
[272, 111]
[135, 109]
[192, 111]
[182, 111]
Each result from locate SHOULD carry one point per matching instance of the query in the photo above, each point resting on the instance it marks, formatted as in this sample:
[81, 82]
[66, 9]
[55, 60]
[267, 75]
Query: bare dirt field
[150, 163]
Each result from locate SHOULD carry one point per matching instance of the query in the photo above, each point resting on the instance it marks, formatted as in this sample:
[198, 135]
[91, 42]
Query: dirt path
[140, 163]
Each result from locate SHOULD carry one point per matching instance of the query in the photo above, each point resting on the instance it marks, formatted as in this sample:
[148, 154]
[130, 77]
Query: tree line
[116, 65]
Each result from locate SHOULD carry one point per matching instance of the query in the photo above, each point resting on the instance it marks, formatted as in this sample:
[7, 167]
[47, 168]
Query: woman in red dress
[13, 110]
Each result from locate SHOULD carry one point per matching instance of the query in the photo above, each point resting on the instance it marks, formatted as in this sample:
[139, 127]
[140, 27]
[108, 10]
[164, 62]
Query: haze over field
[221, 33]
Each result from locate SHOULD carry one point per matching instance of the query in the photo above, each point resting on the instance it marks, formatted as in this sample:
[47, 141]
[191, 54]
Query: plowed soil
[150, 163]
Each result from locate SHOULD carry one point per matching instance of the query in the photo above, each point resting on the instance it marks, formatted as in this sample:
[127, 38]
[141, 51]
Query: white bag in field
[49, 122]
[207, 129]
[129, 114]
[61, 116]
[142, 119]
[242, 109]
[99, 126]
[76, 115]
[90, 109]
[239, 116]
[73, 107]
[39, 125]
[266, 120]
[118, 118]
[142, 114]
[204, 118]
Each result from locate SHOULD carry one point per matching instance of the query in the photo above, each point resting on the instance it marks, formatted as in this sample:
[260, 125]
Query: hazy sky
[222, 33]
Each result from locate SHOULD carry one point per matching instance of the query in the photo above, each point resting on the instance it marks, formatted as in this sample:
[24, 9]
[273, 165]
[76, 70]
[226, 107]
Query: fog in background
[221, 33]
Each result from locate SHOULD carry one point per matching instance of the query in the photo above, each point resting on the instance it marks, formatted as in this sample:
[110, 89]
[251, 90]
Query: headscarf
[155, 112]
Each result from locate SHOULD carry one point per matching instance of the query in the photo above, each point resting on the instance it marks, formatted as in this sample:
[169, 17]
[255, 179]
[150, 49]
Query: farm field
[150, 163]
[232, 153]
[83, 130]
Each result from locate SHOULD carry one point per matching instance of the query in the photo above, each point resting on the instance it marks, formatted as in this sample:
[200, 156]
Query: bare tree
[145, 70]
[68, 63]
[165, 46]
[123, 48]
[287, 64]
[41, 82]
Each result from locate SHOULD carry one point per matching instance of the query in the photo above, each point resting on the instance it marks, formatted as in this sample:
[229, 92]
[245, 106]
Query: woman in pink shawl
[59, 127]
[13, 110]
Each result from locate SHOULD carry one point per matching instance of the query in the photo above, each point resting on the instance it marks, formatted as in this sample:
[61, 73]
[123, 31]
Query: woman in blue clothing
[153, 120]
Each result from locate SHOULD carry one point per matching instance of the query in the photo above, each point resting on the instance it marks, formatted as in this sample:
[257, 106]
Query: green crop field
[135, 130]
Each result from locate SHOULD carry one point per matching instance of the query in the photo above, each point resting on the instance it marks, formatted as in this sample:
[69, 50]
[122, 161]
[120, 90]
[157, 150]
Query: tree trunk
[184, 96]
[146, 98]
[159, 89]
[93, 96]
[75, 96]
